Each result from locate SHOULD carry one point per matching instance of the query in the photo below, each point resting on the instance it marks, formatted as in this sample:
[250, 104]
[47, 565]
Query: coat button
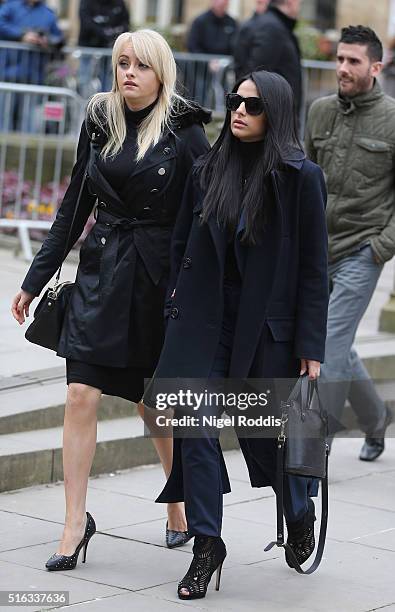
[103, 204]
[174, 313]
[154, 190]
[161, 171]
[187, 262]
[167, 150]
[103, 241]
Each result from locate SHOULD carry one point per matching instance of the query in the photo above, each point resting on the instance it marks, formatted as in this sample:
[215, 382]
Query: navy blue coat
[283, 306]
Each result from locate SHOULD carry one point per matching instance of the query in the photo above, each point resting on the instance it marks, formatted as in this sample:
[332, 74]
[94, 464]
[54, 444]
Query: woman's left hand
[310, 366]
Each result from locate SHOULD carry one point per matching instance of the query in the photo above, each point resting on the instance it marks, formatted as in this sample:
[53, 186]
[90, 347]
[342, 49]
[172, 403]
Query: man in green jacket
[351, 135]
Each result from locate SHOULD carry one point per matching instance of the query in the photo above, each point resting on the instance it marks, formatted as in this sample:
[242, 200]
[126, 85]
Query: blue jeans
[354, 279]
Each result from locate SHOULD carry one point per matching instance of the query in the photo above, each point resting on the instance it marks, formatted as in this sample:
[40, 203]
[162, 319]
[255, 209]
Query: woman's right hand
[20, 305]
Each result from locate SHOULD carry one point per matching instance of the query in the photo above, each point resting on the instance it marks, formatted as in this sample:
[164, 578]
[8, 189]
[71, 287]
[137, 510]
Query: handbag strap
[305, 387]
[280, 513]
[85, 176]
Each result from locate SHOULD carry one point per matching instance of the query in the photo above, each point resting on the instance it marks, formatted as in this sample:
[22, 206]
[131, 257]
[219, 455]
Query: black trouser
[201, 456]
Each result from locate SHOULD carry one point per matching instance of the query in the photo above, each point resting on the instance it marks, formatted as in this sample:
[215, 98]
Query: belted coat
[115, 316]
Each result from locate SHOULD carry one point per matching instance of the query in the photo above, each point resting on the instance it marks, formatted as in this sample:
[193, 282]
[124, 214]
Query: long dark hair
[220, 173]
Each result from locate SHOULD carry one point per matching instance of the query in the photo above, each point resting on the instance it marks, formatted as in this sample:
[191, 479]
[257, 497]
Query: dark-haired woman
[249, 295]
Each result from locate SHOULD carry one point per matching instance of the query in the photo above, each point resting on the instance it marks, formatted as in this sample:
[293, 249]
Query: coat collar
[294, 158]
[363, 100]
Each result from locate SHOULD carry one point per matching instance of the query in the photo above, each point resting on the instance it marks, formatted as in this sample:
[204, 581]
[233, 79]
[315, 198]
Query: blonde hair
[107, 109]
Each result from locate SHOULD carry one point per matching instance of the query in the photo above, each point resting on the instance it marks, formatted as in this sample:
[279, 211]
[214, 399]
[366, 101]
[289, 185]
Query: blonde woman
[136, 147]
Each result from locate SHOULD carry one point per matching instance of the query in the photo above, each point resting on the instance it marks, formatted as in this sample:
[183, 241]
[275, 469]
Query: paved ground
[128, 566]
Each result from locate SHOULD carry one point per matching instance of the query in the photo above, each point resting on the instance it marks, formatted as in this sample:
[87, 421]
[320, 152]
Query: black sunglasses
[254, 105]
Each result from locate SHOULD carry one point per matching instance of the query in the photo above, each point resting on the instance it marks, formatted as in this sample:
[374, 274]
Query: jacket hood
[184, 114]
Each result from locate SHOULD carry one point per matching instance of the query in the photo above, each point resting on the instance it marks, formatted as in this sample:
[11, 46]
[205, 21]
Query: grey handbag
[302, 451]
[306, 429]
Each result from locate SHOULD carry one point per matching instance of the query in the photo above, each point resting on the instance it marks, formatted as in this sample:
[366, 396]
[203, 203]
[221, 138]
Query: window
[178, 11]
[320, 13]
[152, 11]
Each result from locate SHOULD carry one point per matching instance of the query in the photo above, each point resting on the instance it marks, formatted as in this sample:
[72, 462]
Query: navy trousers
[203, 472]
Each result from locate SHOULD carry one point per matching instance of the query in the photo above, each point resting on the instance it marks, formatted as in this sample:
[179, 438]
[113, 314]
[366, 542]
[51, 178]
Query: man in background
[273, 45]
[100, 24]
[214, 31]
[351, 135]
[34, 23]
[242, 45]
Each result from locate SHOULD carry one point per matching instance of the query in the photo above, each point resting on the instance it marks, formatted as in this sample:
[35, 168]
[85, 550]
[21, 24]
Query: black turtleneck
[117, 169]
[133, 118]
[249, 151]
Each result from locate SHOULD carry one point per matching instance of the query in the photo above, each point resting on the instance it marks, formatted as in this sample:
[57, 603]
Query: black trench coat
[115, 317]
[284, 297]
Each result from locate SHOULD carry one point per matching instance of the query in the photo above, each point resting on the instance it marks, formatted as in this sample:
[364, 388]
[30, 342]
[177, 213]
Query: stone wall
[373, 13]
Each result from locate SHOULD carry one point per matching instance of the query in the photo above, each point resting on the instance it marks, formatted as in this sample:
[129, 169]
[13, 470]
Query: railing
[87, 70]
[38, 137]
[39, 123]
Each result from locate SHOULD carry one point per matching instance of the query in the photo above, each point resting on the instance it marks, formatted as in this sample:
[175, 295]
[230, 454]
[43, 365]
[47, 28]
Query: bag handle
[306, 387]
[280, 514]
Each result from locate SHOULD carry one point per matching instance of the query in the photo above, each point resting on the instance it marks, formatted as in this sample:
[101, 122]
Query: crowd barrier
[38, 136]
[43, 96]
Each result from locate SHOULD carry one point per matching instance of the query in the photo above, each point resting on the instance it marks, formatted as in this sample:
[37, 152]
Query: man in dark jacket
[273, 45]
[242, 45]
[102, 22]
[214, 31]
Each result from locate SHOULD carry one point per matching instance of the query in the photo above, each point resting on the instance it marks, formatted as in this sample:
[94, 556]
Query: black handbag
[302, 451]
[50, 312]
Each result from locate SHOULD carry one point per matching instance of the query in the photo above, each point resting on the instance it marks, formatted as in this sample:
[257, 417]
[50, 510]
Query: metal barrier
[38, 137]
[87, 70]
[39, 124]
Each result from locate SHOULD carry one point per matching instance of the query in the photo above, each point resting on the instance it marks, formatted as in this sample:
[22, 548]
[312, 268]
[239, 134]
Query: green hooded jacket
[353, 140]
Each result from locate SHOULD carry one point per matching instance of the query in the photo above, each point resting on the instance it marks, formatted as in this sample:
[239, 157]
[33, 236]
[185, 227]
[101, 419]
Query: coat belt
[142, 245]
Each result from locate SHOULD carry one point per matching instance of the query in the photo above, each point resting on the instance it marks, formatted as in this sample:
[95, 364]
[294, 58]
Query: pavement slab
[129, 567]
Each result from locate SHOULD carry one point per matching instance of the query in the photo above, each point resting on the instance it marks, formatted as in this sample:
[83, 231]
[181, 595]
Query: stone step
[35, 400]
[35, 457]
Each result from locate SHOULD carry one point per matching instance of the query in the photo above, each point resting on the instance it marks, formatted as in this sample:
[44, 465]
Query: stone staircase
[32, 409]
[31, 420]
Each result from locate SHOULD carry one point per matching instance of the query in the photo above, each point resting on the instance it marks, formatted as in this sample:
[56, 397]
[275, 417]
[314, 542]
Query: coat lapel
[217, 234]
[258, 279]
[102, 187]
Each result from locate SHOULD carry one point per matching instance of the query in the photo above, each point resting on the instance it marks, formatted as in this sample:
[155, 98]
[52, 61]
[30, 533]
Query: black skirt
[127, 383]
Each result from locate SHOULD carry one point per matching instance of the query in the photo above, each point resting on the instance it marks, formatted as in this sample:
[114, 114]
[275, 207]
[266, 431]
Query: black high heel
[208, 556]
[176, 538]
[63, 562]
[301, 537]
